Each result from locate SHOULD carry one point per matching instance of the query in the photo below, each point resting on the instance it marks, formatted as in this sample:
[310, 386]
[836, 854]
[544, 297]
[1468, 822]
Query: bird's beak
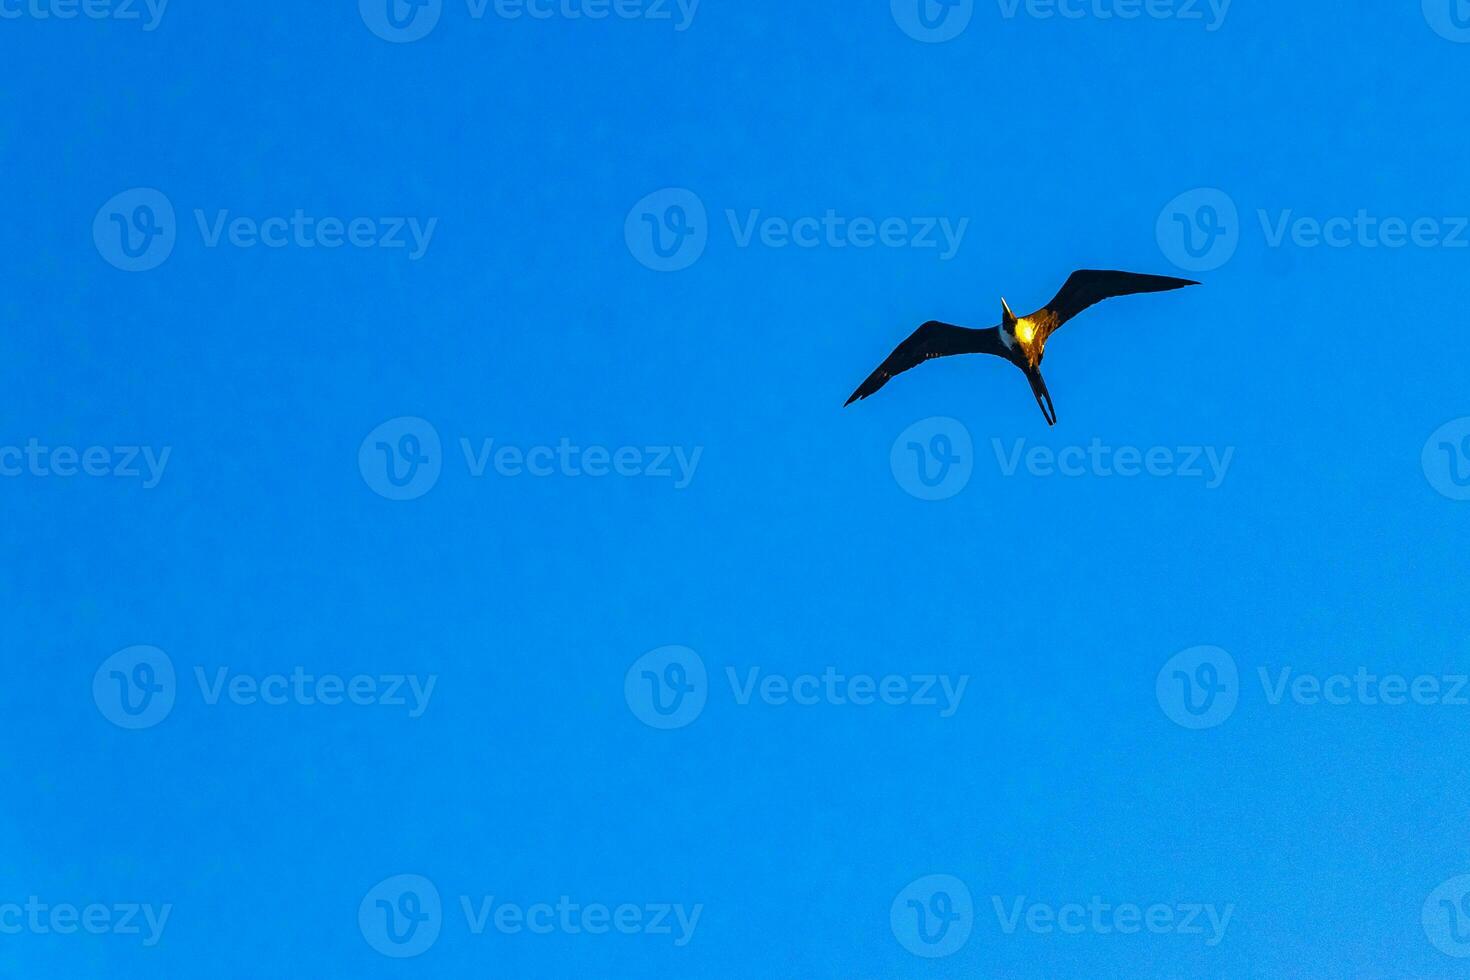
[1043, 397]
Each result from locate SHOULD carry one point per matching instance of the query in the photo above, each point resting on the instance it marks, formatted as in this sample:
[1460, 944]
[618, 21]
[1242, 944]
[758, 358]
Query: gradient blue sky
[529, 319]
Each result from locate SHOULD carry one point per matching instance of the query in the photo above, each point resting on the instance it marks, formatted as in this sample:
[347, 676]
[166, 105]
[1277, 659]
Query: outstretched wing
[933, 339]
[1086, 287]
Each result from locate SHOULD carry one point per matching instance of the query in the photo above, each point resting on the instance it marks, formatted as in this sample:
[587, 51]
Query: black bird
[1020, 340]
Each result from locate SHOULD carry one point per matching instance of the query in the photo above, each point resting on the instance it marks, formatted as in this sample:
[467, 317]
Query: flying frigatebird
[1019, 339]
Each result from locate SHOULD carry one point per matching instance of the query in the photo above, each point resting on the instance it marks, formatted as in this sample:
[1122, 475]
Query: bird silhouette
[1019, 339]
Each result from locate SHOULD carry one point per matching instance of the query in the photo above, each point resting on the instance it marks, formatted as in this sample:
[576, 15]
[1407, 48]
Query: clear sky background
[270, 542]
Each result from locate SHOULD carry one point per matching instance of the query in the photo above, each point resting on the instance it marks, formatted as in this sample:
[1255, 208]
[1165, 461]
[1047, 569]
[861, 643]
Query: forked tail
[1043, 397]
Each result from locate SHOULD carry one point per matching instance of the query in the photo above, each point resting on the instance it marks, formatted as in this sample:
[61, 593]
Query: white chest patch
[1007, 338]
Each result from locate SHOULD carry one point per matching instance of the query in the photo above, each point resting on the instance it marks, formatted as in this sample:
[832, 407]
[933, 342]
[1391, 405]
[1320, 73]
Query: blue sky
[417, 566]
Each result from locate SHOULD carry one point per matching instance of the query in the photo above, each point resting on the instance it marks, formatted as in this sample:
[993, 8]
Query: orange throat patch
[1031, 332]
